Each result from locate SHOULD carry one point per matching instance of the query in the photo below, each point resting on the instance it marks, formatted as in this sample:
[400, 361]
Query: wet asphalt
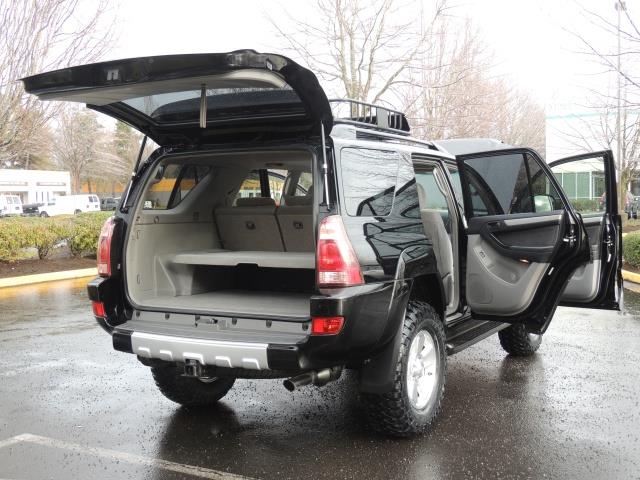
[71, 407]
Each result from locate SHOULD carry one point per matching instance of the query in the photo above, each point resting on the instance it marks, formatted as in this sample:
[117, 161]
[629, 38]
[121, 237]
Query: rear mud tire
[189, 391]
[516, 341]
[395, 413]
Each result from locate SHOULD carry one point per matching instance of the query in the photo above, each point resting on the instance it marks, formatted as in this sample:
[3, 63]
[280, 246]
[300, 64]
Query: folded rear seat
[295, 217]
[250, 225]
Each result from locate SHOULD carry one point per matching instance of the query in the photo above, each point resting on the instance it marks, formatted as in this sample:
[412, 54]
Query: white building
[35, 186]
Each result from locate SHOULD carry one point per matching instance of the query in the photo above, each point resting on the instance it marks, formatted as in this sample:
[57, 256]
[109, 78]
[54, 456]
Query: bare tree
[363, 48]
[83, 147]
[616, 125]
[39, 35]
[434, 66]
[455, 94]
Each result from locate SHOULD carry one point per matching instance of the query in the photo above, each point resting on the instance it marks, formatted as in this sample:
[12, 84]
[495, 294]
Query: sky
[529, 38]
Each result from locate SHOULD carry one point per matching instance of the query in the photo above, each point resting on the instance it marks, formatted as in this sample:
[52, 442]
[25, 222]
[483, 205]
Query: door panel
[507, 257]
[523, 239]
[590, 185]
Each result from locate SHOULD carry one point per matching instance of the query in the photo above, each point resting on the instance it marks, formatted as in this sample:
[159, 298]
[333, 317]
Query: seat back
[295, 217]
[437, 233]
[250, 225]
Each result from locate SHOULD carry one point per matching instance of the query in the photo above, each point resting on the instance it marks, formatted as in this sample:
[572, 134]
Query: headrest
[255, 202]
[297, 200]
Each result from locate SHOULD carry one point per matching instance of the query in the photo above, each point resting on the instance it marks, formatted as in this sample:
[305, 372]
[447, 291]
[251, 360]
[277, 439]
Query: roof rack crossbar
[368, 115]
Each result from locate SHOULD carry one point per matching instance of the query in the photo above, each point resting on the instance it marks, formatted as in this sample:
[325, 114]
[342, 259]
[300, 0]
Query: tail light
[104, 248]
[338, 265]
[98, 309]
[326, 325]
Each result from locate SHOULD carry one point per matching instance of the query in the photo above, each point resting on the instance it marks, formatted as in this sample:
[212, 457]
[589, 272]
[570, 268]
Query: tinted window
[431, 194]
[583, 182]
[369, 180]
[185, 105]
[172, 184]
[544, 194]
[509, 184]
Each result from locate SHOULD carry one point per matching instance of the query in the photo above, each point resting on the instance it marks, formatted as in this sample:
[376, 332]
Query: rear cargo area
[228, 234]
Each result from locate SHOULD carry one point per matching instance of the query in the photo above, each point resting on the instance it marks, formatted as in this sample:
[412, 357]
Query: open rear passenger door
[524, 240]
[589, 182]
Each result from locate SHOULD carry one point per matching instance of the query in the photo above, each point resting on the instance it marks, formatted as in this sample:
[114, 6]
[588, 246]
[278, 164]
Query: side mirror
[543, 203]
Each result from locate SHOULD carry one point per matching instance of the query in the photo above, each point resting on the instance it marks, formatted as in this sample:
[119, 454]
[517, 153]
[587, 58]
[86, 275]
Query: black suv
[276, 233]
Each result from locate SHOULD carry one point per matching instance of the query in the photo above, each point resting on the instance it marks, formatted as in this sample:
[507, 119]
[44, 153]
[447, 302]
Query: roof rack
[368, 115]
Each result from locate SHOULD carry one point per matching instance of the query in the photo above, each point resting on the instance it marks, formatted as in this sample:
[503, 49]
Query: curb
[630, 276]
[49, 277]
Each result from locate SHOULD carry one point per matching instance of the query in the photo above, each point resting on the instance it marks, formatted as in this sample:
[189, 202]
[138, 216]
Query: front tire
[418, 386]
[189, 391]
[516, 341]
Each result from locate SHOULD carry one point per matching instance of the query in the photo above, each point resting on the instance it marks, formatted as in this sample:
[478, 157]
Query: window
[455, 180]
[252, 185]
[431, 194]
[184, 106]
[172, 184]
[303, 184]
[276, 180]
[584, 184]
[509, 184]
[369, 181]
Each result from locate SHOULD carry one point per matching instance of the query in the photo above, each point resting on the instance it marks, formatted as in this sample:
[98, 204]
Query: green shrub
[631, 249]
[586, 205]
[84, 232]
[44, 234]
[80, 232]
[14, 238]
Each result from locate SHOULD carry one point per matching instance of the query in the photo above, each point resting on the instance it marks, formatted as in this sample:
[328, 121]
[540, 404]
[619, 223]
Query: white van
[69, 205]
[10, 205]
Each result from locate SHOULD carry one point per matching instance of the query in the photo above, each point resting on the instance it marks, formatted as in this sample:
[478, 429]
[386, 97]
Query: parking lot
[71, 407]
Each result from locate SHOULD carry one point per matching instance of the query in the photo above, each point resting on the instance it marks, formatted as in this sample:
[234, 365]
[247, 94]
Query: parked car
[396, 253]
[10, 205]
[109, 203]
[70, 205]
[31, 209]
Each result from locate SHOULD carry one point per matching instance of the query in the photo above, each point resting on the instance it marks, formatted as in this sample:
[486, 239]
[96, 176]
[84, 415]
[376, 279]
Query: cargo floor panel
[237, 303]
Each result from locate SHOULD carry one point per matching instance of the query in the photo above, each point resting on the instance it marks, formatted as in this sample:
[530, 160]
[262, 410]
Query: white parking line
[9, 441]
[122, 456]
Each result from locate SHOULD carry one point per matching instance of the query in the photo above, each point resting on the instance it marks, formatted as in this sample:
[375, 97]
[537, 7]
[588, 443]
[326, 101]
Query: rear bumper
[367, 329]
[228, 354]
[218, 353]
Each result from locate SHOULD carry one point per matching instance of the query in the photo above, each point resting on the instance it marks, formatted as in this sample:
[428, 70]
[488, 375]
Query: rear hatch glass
[177, 99]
